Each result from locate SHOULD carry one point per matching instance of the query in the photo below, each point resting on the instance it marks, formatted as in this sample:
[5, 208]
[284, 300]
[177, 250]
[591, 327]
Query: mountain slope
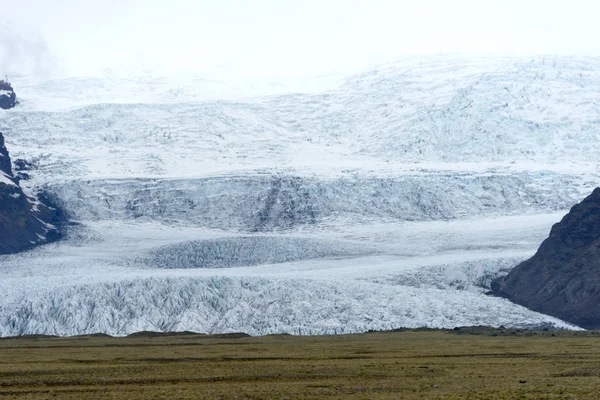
[24, 221]
[563, 277]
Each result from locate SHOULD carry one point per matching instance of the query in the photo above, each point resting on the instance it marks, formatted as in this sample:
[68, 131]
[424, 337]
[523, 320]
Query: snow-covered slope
[389, 198]
[500, 111]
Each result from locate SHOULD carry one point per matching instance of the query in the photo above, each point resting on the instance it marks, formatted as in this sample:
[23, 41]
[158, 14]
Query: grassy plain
[389, 365]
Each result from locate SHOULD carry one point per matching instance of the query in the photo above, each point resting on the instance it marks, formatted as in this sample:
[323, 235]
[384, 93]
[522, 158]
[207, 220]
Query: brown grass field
[470, 363]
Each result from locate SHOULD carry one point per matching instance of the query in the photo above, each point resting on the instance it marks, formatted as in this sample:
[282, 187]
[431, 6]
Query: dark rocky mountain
[24, 221]
[8, 98]
[563, 278]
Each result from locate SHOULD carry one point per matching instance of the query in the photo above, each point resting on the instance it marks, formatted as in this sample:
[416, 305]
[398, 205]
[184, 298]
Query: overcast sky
[280, 37]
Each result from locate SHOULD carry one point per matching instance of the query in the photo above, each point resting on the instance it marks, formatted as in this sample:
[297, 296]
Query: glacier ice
[389, 199]
[238, 251]
[263, 203]
[253, 305]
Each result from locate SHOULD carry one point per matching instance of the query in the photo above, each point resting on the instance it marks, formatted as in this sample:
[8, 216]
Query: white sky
[280, 37]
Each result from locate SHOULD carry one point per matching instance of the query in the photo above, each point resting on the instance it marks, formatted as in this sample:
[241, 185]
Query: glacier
[385, 199]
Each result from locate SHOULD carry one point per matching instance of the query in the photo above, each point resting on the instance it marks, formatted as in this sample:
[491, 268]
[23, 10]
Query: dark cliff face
[5, 165]
[563, 278]
[8, 98]
[24, 221]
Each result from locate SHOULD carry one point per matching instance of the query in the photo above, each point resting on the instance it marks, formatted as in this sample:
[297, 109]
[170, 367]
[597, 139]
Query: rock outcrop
[8, 98]
[563, 278]
[25, 221]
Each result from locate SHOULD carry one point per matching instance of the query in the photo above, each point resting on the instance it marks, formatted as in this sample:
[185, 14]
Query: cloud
[23, 52]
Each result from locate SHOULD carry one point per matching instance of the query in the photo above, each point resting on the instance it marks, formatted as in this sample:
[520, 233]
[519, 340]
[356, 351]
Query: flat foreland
[479, 363]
